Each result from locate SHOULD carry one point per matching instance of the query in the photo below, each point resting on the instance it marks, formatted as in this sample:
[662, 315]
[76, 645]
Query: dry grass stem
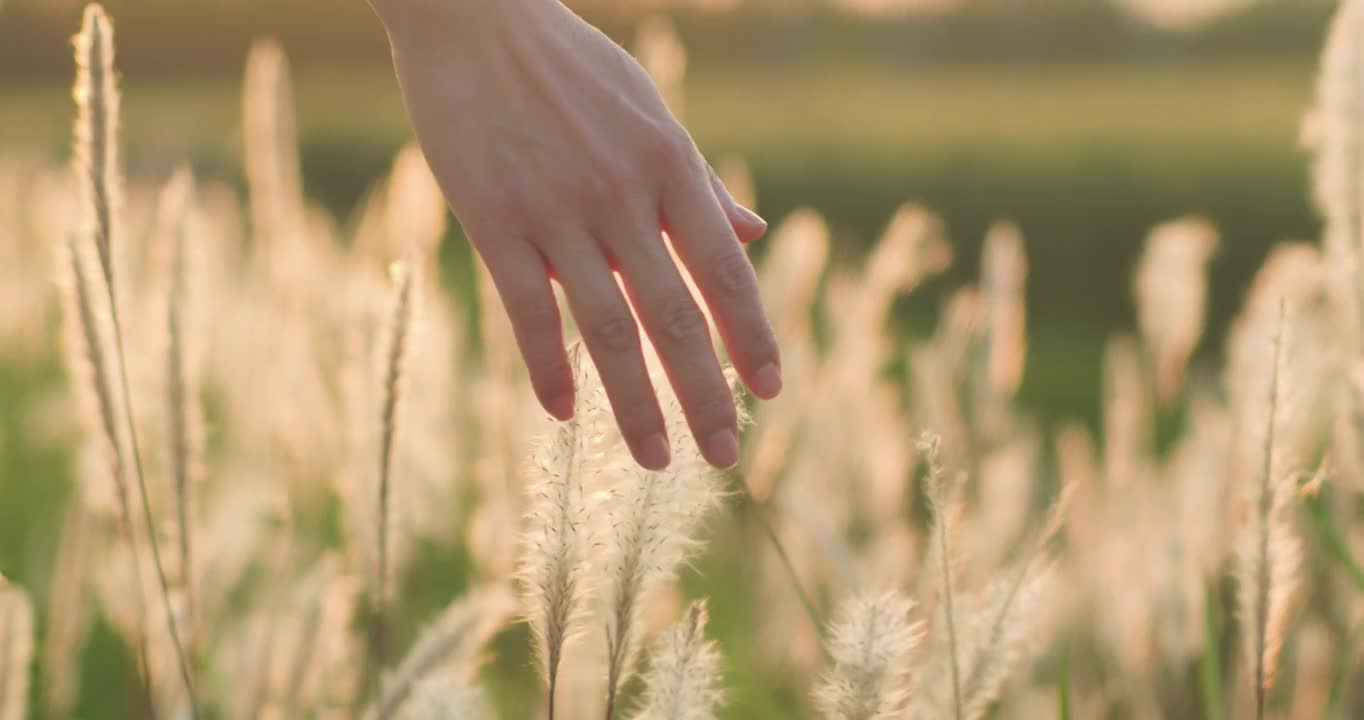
[394, 366]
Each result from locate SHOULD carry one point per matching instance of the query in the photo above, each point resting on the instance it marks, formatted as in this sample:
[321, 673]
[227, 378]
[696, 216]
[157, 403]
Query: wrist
[446, 20]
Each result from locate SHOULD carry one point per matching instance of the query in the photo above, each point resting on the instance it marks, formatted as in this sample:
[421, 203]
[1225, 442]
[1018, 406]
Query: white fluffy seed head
[684, 679]
[872, 643]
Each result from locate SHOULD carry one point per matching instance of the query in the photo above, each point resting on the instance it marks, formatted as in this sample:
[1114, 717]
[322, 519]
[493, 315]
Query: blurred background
[1087, 122]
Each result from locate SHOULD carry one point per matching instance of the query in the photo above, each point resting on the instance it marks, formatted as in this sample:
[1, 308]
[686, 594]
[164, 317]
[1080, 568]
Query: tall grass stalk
[89, 359]
[399, 335]
[97, 99]
[448, 647]
[1268, 551]
[938, 499]
[182, 418]
[999, 629]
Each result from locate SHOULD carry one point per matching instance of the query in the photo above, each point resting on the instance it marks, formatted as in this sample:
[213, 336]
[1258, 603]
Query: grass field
[1086, 158]
[1101, 564]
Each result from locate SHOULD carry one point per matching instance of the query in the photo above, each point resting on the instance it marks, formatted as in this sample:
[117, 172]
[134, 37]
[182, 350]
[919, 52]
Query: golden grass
[339, 398]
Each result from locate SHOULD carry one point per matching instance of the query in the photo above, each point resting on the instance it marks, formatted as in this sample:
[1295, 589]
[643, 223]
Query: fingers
[748, 225]
[681, 336]
[522, 281]
[707, 244]
[612, 339]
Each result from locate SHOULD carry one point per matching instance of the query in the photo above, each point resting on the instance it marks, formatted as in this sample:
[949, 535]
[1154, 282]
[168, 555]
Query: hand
[560, 159]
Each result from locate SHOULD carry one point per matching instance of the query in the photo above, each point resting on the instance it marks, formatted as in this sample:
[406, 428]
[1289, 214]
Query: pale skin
[562, 162]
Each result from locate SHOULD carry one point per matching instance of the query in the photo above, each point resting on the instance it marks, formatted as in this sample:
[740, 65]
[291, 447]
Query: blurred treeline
[1085, 126]
[179, 38]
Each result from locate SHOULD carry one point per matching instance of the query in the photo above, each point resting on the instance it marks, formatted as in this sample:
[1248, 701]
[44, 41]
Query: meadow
[1073, 433]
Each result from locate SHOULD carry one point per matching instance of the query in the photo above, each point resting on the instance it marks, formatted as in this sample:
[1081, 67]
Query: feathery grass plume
[789, 277]
[447, 648]
[654, 517]
[16, 651]
[497, 398]
[788, 281]
[1004, 274]
[96, 98]
[1127, 414]
[1268, 553]
[994, 634]
[661, 53]
[1314, 672]
[1339, 174]
[684, 678]
[936, 370]
[737, 177]
[96, 151]
[416, 212]
[1171, 288]
[913, 247]
[395, 354]
[554, 550]
[1006, 480]
[272, 168]
[443, 699]
[872, 642]
[313, 660]
[69, 612]
[939, 495]
[998, 626]
[88, 360]
[182, 417]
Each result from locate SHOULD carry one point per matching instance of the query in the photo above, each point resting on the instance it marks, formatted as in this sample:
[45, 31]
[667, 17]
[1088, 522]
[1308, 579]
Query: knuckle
[607, 187]
[733, 273]
[669, 148]
[537, 314]
[682, 320]
[501, 202]
[613, 333]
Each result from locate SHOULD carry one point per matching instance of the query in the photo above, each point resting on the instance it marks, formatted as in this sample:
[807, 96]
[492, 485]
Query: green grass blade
[1211, 662]
[1333, 539]
[1063, 686]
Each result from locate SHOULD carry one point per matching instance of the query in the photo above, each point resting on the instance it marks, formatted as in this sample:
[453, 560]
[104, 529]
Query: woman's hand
[559, 157]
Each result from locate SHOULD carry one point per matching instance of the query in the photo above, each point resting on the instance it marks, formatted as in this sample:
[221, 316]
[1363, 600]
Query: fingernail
[767, 381]
[751, 217]
[654, 453]
[561, 407]
[722, 449]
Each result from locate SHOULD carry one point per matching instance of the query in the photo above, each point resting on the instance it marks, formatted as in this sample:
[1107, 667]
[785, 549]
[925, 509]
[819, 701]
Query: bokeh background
[1086, 122]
